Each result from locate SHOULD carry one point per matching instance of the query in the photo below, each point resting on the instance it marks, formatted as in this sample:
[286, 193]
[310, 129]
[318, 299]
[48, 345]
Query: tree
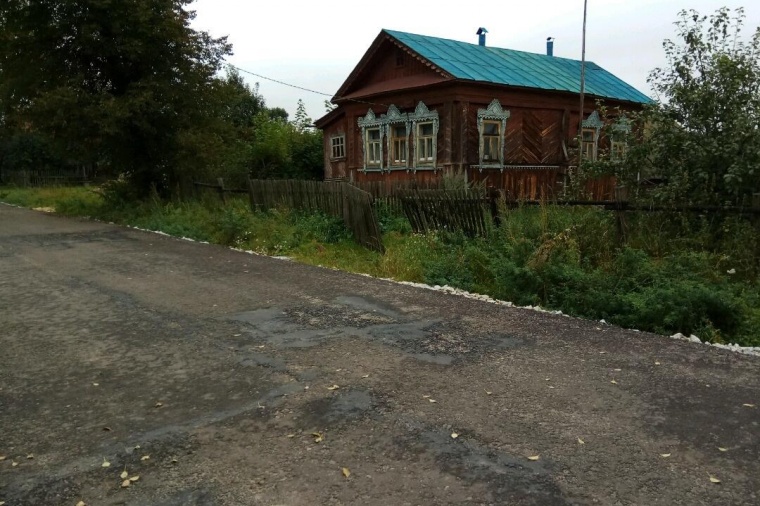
[703, 132]
[125, 83]
[302, 122]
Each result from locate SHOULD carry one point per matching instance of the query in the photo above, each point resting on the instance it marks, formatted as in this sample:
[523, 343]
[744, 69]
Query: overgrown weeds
[670, 273]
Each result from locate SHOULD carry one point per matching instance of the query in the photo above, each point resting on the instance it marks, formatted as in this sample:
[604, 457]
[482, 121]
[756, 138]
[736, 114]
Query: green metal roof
[517, 68]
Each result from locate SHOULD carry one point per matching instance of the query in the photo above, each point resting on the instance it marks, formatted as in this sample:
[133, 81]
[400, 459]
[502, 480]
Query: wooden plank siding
[540, 131]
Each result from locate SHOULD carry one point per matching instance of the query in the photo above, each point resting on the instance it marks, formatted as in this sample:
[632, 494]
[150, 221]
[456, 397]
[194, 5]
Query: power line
[280, 82]
[303, 88]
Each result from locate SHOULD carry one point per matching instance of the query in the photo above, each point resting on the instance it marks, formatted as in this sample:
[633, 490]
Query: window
[492, 123]
[617, 149]
[425, 148]
[425, 133]
[338, 144]
[398, 145]
[387, 139]
[588, 144]
[373, 152]
[491, 140]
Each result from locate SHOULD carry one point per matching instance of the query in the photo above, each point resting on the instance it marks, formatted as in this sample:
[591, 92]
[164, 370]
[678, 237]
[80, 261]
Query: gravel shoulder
[211, 374]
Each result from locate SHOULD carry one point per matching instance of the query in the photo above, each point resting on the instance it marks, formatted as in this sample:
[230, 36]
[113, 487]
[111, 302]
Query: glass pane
[374, 134]
[491, 128]
[426, 129]
[399, 131]
[588, 136]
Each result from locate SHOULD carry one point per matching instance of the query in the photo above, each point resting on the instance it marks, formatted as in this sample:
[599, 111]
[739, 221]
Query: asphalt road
[211, 375]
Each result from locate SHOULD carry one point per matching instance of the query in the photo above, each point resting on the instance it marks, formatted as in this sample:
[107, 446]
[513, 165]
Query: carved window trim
[421, 116]
[394, 118]
[367, 123]
[618, 138]
[493, 113]
[593, 124]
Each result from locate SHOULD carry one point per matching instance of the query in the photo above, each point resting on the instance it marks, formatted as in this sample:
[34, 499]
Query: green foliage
[702, 133]
[684, 274]
[133, 86]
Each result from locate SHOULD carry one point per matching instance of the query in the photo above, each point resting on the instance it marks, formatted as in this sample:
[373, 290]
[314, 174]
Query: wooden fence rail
[44, 177]
[339, 199]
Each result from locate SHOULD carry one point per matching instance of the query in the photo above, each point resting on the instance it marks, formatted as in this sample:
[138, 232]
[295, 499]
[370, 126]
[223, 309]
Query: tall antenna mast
[583, 84]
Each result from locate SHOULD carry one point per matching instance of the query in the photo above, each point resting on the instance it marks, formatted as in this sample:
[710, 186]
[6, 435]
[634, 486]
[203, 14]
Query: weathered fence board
[44, 177]
[339, 199]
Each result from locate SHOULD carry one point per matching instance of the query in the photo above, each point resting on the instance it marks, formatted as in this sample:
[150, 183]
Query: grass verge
[672, 273]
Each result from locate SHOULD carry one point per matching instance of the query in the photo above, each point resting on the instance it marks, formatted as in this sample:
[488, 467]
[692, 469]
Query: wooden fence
[338, 199]
[44, 177]
[462, 210]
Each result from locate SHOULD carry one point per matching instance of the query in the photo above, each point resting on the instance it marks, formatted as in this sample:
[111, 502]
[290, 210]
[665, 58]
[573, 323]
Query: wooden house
[417, 106]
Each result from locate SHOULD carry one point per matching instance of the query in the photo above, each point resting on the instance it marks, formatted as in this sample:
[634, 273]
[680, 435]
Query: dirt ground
[222, 378]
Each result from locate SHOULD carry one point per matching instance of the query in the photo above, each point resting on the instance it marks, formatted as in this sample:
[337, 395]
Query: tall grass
[668, 273]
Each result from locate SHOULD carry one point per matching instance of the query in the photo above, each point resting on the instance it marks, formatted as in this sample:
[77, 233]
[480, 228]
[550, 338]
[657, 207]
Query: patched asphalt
[223, 378]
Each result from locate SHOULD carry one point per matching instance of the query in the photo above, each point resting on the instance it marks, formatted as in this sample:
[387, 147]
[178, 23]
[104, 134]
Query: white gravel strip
[745, 350]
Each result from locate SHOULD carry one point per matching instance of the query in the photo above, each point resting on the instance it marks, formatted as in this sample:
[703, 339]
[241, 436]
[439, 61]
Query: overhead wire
[302, 88]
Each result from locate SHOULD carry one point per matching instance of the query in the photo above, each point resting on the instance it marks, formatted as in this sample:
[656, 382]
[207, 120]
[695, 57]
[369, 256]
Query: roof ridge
[392, 32]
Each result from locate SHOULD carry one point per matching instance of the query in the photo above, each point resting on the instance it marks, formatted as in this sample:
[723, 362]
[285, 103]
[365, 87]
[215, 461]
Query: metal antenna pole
[583, 84]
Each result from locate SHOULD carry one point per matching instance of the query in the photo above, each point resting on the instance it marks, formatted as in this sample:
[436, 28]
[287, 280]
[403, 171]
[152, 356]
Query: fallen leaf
[365, 376]
[425, 396]
[159, 404]
[581, 442]
[534, 457]
[602, 352]
[613, 382]
[2, 457]
[748, 405]
[14, 464]
[551, 387]
[134, 478]
[291, 435]
[81, 503]
[454, 435]
[665, 455]
[145, 457]
[105, 463]
[488, 392]
[432, 400]
[124, 475]
[617, 370]
[713, 479]
[96, 384]
[30, 456]
[722, 449]
[318, 437]
[338, 370]
[125, 483]
[656, 363]
[346, 472]
[334, 387]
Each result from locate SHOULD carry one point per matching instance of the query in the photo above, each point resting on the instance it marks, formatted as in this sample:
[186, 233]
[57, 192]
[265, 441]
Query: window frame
[395, 142]
[341, 145]
[592, 145]
[367, 124]
[373, 148]
[592, 124]
[493, 114]
[423, 116]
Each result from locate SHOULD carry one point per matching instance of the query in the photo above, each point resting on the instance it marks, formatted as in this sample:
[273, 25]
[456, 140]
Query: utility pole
[583, 85]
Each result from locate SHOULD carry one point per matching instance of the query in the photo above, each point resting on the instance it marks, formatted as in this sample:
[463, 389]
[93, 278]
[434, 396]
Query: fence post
[221, 190]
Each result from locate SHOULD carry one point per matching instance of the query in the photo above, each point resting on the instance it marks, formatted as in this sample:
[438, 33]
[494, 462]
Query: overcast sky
[316, 44]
